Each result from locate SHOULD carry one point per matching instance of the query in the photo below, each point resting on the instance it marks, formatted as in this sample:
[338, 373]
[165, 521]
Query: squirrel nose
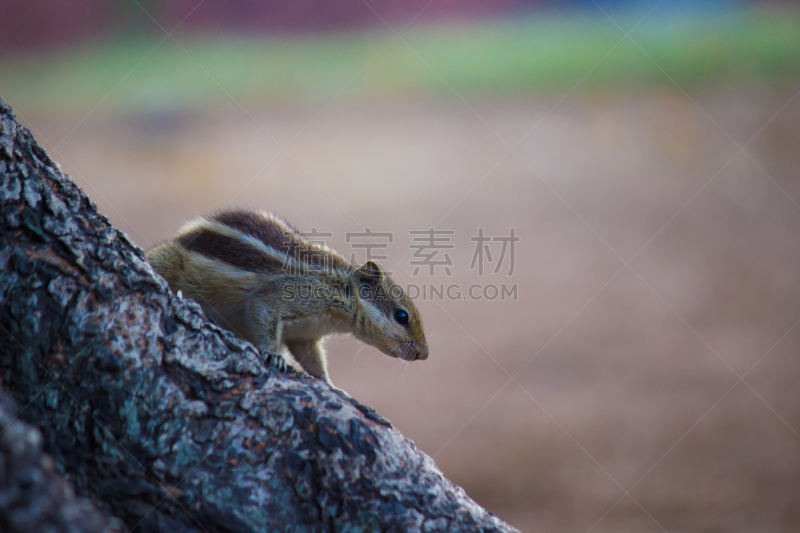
[422, 355]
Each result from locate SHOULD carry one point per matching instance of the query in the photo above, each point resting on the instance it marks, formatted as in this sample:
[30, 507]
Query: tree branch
[162, 418]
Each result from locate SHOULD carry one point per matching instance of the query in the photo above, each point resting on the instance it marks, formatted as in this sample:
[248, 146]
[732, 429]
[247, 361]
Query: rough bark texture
[34, 497]
[163, 419]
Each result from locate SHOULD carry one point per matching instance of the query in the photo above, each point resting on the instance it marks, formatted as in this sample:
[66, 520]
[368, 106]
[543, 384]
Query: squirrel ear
[370, 272]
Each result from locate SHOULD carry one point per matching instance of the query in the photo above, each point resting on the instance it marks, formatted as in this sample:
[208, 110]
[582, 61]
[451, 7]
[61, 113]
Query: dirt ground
[645, 377]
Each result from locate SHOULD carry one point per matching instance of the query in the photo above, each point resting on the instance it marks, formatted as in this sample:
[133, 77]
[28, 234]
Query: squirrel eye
[401, 317]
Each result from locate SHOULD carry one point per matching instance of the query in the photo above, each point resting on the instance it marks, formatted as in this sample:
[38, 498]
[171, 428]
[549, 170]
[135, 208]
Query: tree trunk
[34, 497]
[163, 419]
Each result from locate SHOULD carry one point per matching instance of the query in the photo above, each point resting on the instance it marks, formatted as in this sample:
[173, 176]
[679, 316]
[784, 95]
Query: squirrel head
[386, 317]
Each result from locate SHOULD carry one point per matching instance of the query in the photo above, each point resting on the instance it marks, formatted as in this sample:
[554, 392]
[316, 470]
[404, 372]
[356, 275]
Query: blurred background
[631, 362]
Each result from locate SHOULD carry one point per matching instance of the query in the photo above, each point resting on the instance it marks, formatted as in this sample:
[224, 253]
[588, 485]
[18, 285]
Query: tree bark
[163, 419]
[34, 497]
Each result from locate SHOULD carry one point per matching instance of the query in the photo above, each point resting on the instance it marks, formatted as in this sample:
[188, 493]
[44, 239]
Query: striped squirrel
[255, 275]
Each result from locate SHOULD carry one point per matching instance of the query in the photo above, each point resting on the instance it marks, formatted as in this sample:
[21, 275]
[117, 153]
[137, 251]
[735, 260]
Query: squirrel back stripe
[264, 227]
[279, 236]
[228, 249]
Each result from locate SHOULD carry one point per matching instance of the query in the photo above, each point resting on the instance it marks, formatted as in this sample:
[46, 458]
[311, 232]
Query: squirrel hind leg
[311, 356]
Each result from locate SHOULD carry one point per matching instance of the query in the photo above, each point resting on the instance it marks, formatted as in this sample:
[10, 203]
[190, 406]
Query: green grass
[502, 59]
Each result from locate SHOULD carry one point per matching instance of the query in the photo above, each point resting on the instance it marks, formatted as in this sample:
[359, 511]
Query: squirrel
[256, 276]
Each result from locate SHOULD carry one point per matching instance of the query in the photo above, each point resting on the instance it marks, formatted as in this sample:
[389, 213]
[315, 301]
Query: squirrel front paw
[275, 360]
